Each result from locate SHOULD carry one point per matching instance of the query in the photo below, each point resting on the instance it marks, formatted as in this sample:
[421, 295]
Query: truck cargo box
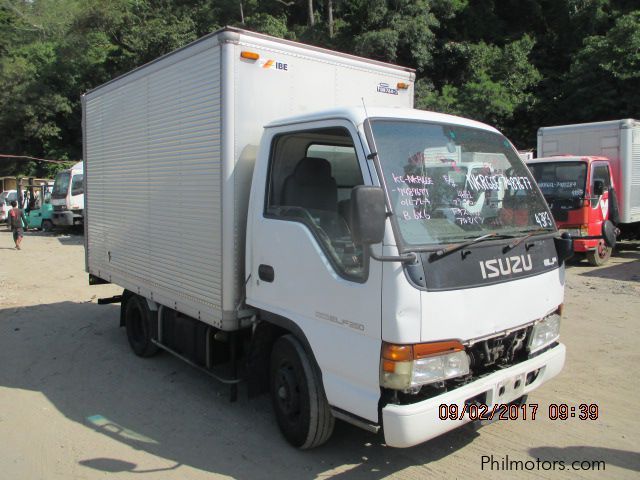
[169, 151]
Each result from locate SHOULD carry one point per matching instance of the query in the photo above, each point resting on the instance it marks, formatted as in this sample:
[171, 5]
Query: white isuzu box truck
[279, 214]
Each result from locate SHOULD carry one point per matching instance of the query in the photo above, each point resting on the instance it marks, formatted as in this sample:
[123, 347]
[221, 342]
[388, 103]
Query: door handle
[266, 273]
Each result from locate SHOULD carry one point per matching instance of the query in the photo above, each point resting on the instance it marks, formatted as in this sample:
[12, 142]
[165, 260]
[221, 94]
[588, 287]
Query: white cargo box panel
[618, 140]
[169, 150]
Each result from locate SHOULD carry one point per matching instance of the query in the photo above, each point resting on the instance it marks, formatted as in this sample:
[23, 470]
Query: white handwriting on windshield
[543, 219]
[413, 192]
[412, 179]
[498, 182]
[465, 217]
[415, 215]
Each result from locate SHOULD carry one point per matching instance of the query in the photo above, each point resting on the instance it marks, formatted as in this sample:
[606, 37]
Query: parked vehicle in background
[619, 142]
[39, 213]
[67, 197]
[581, 194]
[365, 264]
[6, 198]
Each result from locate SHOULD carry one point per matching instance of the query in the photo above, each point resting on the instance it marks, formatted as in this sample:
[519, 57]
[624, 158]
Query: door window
[312, 174]
[76, 185]
[601, 172]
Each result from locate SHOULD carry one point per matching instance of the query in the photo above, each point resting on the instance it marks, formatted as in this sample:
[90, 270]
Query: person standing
[17, 219]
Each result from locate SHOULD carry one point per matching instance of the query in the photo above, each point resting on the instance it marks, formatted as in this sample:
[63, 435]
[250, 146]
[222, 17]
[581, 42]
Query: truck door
[599, 210]
[304, 265]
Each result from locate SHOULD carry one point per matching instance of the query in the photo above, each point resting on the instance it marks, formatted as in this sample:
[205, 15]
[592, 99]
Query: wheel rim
[603, 250]
[287, 392]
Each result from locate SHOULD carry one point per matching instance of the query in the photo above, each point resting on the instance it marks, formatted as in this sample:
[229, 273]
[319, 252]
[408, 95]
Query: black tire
[301, 408]
[47, 225]
[600, 255]
[141, 324]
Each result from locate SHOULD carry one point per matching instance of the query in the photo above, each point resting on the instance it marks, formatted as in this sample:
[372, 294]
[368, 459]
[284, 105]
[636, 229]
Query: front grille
[59, 208]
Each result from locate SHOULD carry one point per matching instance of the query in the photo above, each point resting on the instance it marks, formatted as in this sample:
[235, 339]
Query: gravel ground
[75, 403]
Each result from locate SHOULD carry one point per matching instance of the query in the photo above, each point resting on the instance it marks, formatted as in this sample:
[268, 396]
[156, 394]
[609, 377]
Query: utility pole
[19, 192]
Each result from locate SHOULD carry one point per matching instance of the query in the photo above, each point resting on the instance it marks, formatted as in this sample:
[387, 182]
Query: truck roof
[357, 115]
[238, 35]
[567, 158]
[622, 123]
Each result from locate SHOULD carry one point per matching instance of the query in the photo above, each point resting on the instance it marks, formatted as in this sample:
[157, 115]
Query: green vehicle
[39, 210]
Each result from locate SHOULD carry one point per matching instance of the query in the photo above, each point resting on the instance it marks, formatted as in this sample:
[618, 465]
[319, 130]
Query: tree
[494, 82]
[603, 80]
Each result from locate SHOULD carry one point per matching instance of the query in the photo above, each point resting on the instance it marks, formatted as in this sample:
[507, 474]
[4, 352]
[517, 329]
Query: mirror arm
[409, 258]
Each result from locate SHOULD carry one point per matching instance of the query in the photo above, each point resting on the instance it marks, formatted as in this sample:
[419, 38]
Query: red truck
[580, 191]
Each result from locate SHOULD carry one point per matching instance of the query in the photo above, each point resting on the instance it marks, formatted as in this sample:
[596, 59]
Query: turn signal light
[392, 354]
[402, 86]
[249, 55]
[404, 367]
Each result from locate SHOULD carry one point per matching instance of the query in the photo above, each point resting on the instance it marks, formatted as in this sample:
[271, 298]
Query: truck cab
[579, 191]
[453, 306]
[67, 197]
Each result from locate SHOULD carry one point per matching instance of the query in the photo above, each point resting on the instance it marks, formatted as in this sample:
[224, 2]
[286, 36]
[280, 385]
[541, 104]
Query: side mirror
[609, 233]
[598, 188]
[368, 214]
[564, 247]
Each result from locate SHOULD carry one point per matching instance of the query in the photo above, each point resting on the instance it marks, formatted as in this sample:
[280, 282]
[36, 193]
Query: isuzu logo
[497, 267]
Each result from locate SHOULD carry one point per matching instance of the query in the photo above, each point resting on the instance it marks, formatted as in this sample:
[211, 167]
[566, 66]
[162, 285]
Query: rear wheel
[141, 326]
[600, 255]
[298, 397]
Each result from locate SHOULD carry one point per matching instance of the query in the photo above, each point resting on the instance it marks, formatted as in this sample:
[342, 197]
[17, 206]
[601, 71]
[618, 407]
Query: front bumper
[579, 244]
[584, 245]
[409, 425]
[66, 219]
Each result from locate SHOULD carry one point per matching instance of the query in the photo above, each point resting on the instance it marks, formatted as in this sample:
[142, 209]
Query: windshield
[449, 183]
[561, 183]
[61, 185]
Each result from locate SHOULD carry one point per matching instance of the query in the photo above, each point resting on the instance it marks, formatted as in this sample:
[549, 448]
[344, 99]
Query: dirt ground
[75, 403]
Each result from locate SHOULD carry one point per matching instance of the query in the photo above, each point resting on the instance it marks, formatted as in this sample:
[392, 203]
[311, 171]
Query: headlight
[406, 366]
[440, 367]
[544, 332]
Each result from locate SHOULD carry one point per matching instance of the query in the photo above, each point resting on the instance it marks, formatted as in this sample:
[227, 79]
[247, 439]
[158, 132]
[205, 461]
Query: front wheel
[47, 225]
[141, 325]
[301, 408]
[600, 255]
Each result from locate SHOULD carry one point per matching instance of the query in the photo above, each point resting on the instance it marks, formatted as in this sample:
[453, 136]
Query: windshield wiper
[517, 242]
[458, 246]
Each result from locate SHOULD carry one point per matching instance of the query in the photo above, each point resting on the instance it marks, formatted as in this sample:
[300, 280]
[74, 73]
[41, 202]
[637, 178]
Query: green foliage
[398, 31]
[515, 64]
[604, 78]
[496, 83]
[268, 24]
